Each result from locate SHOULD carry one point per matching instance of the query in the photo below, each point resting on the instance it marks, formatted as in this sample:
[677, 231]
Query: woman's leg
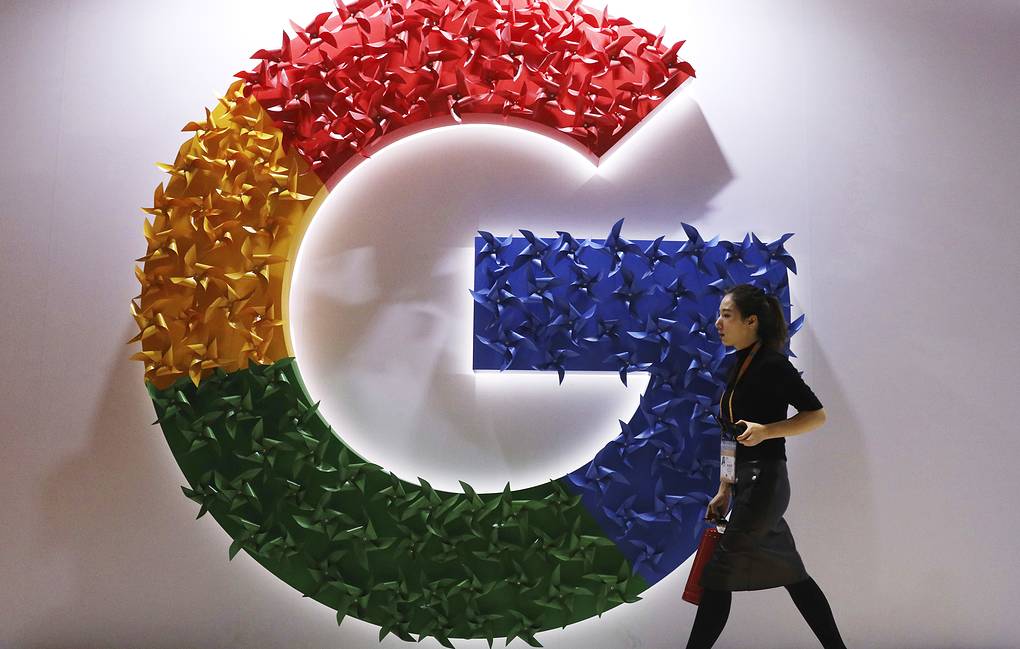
[811, 603]
[711, 618]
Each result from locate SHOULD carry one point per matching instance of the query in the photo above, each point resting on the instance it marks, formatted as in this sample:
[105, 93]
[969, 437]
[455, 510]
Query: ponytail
[777, 334]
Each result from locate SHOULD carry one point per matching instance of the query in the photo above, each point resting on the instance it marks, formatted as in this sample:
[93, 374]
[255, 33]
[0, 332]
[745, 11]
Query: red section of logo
[352, 78]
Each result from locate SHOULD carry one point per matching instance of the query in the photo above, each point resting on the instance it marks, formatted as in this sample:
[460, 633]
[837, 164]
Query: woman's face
[733, 329]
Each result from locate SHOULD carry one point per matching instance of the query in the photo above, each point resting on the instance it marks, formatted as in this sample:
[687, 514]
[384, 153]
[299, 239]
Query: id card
[728, 461]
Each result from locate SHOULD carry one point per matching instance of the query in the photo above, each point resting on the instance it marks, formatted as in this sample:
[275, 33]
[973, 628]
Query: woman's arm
[802, 422]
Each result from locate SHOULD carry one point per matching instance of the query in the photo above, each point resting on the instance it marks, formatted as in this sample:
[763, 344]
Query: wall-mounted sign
[226, 226]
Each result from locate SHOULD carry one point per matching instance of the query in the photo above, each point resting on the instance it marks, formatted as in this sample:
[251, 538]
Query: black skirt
[757, 550]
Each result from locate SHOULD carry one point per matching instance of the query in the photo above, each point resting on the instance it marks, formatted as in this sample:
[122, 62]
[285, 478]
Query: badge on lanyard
[728, 444]
[728, 456]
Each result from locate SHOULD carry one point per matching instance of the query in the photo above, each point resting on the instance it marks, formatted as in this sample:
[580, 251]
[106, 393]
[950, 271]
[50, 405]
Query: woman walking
[757, 550]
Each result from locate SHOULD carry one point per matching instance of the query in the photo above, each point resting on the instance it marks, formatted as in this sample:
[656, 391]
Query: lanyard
[740, 374]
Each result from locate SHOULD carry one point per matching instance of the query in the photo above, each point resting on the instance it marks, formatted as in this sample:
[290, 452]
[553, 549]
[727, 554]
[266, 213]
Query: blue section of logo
[611, 304]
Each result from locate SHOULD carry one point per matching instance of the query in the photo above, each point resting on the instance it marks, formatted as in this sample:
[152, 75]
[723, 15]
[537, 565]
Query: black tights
[810, 601]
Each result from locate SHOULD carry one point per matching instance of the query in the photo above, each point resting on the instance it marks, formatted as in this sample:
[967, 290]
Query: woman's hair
[751, 300]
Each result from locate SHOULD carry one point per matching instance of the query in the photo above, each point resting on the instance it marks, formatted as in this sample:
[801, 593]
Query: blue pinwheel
[628, 361]
[658, 331]
[649, 555]
[598, 478]
[777, 252]
[747, 252]
[571, 321]
[630, 439]
[555, 359]
[702, 330]
[704, 365]
[677, 290]
[609, 330]
[540, 289]
[628, 292]
[534, 252]
[492, 248]
[616, 247]
[654, 256]
[695, 247]
[507, 344]
[496, 298]
[661, 417]
[584, 282]
[567, 247]
[629, 521]
[673, 504]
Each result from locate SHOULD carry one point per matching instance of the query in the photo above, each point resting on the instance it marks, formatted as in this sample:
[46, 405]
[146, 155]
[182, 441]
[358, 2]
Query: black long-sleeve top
[769, 385]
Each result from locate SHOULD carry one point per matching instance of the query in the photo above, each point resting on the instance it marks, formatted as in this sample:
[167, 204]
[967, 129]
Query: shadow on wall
[665, 171]
[833, 511]
[136, 569]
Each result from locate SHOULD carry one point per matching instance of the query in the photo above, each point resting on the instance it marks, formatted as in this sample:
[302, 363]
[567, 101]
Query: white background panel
[882, 133]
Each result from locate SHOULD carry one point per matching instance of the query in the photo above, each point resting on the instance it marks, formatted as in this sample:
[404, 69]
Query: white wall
[883, 133]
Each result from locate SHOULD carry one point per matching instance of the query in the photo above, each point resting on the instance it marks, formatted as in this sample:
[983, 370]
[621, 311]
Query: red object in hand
[692, 593]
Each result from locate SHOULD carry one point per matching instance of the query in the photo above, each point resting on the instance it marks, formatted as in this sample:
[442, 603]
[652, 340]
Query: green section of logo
[415, 561]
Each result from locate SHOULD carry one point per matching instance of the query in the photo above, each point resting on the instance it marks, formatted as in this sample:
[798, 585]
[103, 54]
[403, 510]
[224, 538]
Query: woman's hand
[719, 506]
[755, 433]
